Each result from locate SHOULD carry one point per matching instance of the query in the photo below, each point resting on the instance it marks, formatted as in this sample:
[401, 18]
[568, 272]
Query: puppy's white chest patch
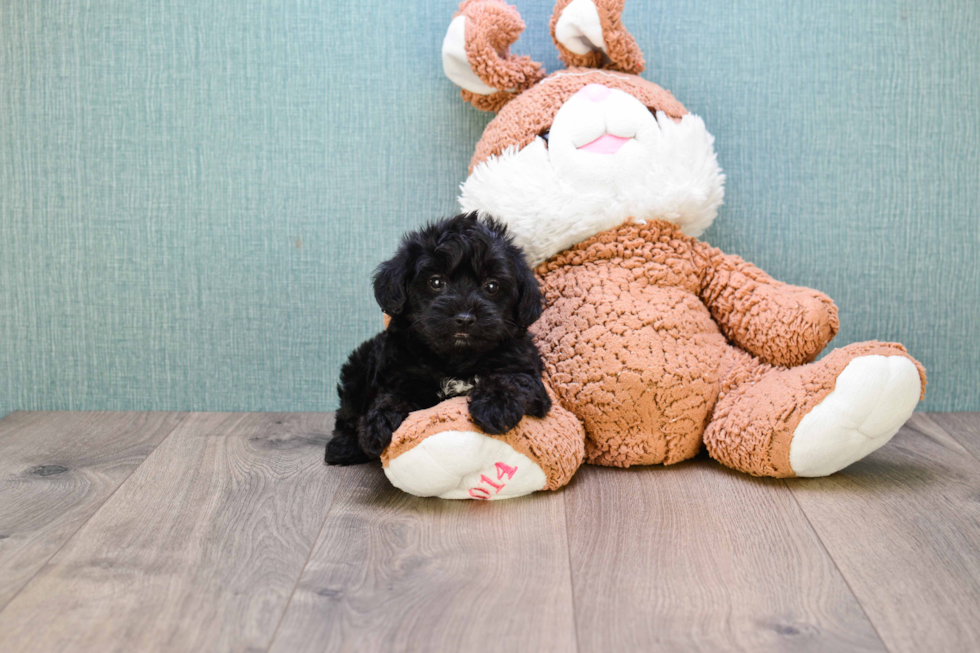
[456, 387]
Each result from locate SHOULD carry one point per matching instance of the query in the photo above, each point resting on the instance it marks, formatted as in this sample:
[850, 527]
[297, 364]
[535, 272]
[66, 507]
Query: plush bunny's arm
[779, 323]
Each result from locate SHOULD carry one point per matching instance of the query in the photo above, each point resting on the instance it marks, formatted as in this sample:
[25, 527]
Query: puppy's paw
[540, 402]
[495, 412]
[343, 450]
[376, 428]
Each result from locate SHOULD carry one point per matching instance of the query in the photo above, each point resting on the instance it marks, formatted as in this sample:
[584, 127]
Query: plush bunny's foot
[872, 398]
[440, 452]
[465, 465]
[815, 419]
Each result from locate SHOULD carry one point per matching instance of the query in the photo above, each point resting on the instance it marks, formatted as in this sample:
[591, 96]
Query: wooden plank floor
[225, 532]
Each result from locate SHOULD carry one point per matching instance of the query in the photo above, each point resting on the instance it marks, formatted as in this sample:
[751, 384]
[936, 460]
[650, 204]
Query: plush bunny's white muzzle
[607, 159]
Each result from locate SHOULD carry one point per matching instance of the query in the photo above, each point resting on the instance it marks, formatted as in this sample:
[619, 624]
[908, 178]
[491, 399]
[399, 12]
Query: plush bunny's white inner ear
[454, 61]
[578, 28]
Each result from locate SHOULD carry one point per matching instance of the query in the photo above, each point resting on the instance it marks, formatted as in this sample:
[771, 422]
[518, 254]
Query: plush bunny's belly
[632, 354]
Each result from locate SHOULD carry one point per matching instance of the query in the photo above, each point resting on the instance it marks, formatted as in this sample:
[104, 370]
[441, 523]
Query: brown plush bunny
[653, 341]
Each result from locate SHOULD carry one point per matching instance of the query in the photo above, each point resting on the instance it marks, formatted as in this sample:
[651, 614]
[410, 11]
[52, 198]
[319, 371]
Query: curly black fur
[460, 297]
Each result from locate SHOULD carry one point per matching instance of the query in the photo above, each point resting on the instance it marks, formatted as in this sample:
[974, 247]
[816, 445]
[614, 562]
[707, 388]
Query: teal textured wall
[193, 193]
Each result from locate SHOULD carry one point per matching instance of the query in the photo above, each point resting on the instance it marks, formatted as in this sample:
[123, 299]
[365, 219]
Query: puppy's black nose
[465, 320]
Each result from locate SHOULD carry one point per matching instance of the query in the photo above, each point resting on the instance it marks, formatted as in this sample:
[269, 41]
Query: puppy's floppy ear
[528, 308]
[390, 285]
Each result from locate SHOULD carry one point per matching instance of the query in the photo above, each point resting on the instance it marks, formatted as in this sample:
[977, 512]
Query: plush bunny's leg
[440, 452]
[815, 419]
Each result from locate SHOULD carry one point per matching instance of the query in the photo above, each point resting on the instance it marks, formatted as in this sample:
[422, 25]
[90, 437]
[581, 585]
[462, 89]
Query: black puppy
[460, 298]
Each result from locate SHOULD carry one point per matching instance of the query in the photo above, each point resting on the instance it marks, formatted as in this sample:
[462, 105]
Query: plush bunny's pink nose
[595, 92]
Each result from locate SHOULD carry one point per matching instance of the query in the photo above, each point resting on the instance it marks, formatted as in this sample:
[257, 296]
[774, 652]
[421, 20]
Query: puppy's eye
[436, 282]
[491, 287]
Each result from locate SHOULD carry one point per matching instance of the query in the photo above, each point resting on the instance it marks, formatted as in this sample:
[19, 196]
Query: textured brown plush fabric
[781, 324]
[491, 27]
[492, 103]
[636, 336]
[555, 443]
[532, 112]
[628, 345]
[624, 54]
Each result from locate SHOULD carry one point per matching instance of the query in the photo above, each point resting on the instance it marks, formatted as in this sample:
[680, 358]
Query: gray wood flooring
[225, 532]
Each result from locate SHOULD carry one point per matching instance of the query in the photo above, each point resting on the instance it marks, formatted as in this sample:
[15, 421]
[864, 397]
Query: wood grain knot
[334, 594]
[793, 629]
[298, 441]
[48, 470]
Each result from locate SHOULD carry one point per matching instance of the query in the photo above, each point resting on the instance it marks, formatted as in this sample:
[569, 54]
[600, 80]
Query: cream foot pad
[872, 398]
[465, 465]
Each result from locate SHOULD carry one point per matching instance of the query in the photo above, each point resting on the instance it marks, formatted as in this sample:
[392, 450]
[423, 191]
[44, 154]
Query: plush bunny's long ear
[590, 34]
[476, 54]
